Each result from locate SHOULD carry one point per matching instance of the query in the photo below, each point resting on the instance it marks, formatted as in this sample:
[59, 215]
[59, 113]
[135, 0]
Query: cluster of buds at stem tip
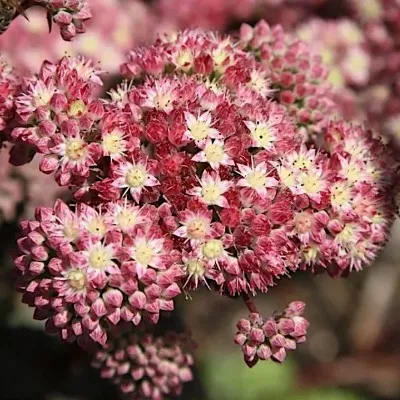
[147, 366]
[69, 15]
[272, 338]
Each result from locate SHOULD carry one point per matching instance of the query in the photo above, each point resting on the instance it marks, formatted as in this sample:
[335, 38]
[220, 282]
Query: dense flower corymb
[87, 270]
[220, 165]
[147, 367]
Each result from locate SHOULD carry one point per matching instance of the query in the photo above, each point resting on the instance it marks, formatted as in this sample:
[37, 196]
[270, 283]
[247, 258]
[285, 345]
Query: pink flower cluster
[297, 75]
[13, 182]
[262, 339]
[264, 63]
[87, 270]
[69, 15]
[221, 164]
[159, 365]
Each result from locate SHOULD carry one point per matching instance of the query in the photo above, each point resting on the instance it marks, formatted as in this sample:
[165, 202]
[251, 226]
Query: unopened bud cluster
[147, 367]
[272, 338]
[69, 15]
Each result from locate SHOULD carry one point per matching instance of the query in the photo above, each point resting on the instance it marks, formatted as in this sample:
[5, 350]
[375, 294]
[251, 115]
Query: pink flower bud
[240, 339]
[138, 300]
[113, 297]
[286, 326]
[61, 319]
[277, 341]
[49, 164]
[279, 354]
[99, 308]
[249, 351]
[62, 18]
[68, 32]
[295, 308]
[36, 267]
[40, 253]
[244, 325]
[256, 335]
[264, 352]
[270, 328]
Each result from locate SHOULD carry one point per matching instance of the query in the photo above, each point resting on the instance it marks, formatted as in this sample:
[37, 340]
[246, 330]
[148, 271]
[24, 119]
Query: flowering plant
[69, 15]
[222, 163]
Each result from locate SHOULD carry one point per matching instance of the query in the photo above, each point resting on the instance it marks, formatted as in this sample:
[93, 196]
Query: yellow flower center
[340, 195]
[213, 249]
[71, 231]
[143, 254]
[258, 83]
[211, 192]
[97, 226]
[76, 108]
[378, 219]
[286, 176]
[195, 268]
[126, 219]
[311, 183]
[256, 179]
[184, 60]
[112, 142]
[99, 258]
[302, 162]
[375, 173]
[219, 56]
[136, 177]
[43, 98]
[311, 253]
[359, 249]
[355, 149]
[263, 136]
[197, 228]
[163, 100]
[346, 235]
[199, 130]
[352, 173]
[214, 153]
[75, 149]
[76, 279]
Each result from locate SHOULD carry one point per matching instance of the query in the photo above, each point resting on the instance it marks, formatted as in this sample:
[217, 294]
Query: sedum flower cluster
[219, 164]
[69, 15]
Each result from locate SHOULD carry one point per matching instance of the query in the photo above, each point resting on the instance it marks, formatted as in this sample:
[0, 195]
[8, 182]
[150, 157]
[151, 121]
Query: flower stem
[249, 303]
